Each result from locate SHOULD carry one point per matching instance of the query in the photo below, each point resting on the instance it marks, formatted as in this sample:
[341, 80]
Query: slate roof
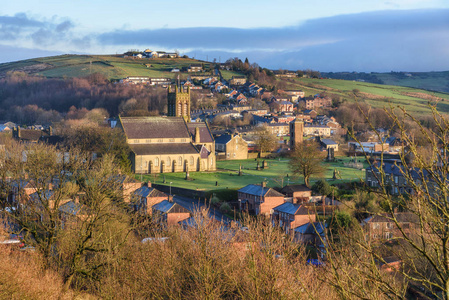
[73, 208]
[204, 153]
[311, 228]
[295, 188]
[223, 139]
[402, 217]
[146, 191]
[205, 135]
[154, 127]
[317, 126]
[120, 179]
[328, 142]
[258, 190]
[169, 207]
[288, 208]
[388, 168]
[172, 148]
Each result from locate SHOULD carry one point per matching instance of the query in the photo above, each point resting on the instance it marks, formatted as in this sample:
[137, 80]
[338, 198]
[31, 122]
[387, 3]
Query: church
[169, 144]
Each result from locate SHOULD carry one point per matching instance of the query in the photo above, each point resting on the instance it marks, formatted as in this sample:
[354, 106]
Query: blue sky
[352, 35]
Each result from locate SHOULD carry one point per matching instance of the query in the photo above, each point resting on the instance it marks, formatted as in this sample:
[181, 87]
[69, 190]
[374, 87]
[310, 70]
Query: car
[316, 262]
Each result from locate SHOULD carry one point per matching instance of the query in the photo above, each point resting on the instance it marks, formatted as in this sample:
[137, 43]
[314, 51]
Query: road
[192, 205]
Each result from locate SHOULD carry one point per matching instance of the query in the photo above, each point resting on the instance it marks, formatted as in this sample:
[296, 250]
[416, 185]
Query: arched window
[180, 161]
[168, 161]
[192, 162]
[156, 162]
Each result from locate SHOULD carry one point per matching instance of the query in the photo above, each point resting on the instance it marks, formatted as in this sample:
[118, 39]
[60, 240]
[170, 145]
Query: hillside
[113, 67]
[377, 95]
[433, 81]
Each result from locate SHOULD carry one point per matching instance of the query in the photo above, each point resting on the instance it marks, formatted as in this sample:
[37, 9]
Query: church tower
[179, 103]
[296, 133]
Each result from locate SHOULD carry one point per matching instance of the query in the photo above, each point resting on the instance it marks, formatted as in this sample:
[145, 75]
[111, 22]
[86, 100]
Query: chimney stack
[197, 135]
[148, 183]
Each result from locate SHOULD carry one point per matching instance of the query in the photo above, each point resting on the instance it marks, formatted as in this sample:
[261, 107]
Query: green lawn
[275, 175]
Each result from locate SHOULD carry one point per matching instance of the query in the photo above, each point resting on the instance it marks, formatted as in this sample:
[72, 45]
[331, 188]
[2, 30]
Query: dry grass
[22, 277]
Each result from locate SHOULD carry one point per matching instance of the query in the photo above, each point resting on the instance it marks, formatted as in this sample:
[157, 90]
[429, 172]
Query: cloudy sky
[326, 35]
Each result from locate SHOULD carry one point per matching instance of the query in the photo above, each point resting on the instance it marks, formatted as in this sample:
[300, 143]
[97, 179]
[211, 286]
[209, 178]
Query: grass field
[228, 74]
[377, 95]
[425, 80]
[113, 67]
[275, 175]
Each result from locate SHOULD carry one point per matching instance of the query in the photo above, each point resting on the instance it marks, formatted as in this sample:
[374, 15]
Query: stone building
[169, 144]
[165, 145]
[178, 103]
[296, 132]
[231, 147]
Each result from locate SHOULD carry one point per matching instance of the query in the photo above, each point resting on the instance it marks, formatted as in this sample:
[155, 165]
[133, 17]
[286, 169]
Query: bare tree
[265, 140]
[417, 190]
[306, 161]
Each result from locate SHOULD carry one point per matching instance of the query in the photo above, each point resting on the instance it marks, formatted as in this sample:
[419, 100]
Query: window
[389, 225]
[168, 161]
[147, 141]
[156, 162]
[236, 147]
[171, 140]
[396, 179]
[376, 226]
[180, 161]
[136, 141]
[159, 140]
[388, 235]
[192, 162]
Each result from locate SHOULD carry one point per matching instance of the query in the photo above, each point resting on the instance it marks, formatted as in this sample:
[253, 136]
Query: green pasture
[228, 74]
[424, 80]
[277, 174]
[384, 95]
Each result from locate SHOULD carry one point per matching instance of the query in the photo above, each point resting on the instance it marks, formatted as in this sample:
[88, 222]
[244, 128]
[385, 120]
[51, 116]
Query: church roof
[169, 148]
[154, 127]
[205, 135]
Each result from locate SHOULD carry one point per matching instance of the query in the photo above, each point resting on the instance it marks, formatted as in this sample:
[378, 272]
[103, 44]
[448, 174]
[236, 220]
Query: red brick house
[170, 213]
[291, 215]
[259, 199]
[145, 197]
[382, 227]
[127, 186]
[299, 192]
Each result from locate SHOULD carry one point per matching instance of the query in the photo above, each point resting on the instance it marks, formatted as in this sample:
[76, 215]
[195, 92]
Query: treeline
[368, 77]
[29, 99]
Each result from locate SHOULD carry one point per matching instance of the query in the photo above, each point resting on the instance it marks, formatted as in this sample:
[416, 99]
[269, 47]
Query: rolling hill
[432, 81]
[115, 67]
